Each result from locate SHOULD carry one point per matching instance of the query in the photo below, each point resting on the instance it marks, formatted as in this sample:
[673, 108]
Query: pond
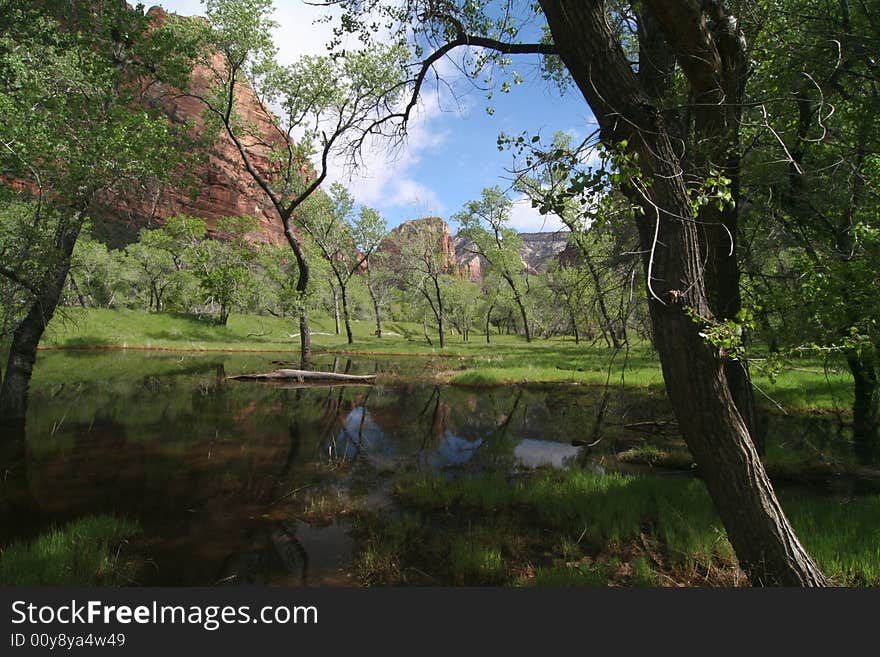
[246, 482]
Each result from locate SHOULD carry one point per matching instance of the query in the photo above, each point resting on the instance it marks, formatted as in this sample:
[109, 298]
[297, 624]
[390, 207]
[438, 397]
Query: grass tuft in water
[85, 552]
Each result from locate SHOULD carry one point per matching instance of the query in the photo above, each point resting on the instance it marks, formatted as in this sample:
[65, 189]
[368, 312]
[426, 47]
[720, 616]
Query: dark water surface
[217, 472]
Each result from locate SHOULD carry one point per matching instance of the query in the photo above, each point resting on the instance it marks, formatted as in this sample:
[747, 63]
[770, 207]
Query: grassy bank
[576, 528]
[809, 384]
[86, 552]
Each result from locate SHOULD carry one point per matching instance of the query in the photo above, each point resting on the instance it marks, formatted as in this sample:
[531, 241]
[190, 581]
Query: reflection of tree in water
[20, 514]
[275, 547]
[274, 543]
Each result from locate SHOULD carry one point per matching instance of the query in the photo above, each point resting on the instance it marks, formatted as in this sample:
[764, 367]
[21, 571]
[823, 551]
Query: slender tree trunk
[302, 286]
[76, 290]
[377, 311]
[305, 340]
[675, 249]
[520, 305]
[348, 332]
[488, 322]
[439, 312]
[574, 326]
[336, 309]
[866, 407]
[425, 330]
[525, 318]
[603, 308]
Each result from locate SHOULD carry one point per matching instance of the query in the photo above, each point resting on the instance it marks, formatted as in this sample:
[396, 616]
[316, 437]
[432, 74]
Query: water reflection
[537, 453]
[210, 468]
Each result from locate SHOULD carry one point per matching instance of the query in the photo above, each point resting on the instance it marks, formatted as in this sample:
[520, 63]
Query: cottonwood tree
[95, 273]
[814, 178]
[486, 224]
[74, 132]
[420, 262]
[463, 304]
[669, 148]
[153, 268]
[318, 107]
[567, 285]
[226, 266]
[160, 262]
[380, 281]
[346, 240]
[599, 218]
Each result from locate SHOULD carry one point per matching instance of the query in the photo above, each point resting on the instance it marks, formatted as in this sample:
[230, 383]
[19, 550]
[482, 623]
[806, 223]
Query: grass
[807, 384]
[575, 528]
[85, 552]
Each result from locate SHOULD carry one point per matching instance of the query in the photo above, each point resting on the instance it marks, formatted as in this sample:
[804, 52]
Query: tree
[74, 131]
[420, 261]
[670, 149]
[599, 218]
[346, 240]
[497, 243]
[816, 186]
[463, 303]
[96, 273]
[153, 265]
[331, 103]
[225, 266]
[567, 285]
[380, 282]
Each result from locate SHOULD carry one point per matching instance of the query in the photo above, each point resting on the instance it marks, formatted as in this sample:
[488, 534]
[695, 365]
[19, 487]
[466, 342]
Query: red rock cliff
[221, 186]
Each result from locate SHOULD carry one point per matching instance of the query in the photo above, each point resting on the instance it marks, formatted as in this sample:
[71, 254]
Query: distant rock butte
[430, 225]
[538, 249]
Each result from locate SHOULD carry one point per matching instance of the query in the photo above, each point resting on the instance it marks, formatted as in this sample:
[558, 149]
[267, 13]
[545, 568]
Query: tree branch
[463, 40]
[15, 278]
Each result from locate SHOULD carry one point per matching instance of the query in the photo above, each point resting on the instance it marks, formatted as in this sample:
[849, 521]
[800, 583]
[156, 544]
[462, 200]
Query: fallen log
[653, 426]
[306, 376]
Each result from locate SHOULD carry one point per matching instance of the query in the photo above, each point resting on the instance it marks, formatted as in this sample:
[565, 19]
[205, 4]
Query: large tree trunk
[26, 336]
[675, 249]
[866, 407]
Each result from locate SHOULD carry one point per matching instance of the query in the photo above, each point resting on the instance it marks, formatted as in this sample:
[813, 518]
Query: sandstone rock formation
[434, 226]
[460, 256]
[220, 186]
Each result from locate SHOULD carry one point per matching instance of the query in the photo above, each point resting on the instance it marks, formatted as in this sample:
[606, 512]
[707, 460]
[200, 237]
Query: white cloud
[386, 179]
[297, 33]
[527, 219]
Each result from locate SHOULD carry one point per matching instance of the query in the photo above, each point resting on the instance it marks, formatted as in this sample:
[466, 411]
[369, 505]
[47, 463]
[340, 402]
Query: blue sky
[451, 153]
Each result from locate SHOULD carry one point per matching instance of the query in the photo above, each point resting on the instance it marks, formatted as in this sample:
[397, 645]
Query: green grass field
[807, 384]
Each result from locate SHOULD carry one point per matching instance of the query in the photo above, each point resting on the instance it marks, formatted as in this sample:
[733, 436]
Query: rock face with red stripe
[218, 187]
